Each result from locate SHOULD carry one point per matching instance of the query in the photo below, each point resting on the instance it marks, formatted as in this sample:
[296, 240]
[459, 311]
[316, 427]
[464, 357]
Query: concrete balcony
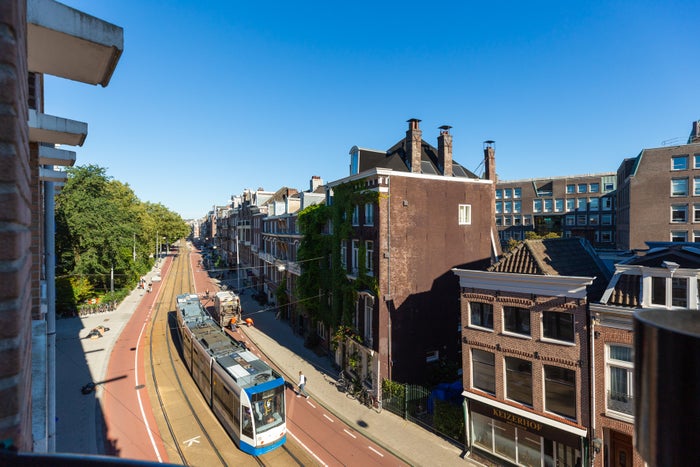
[52, 156]
[50, 175]
[68, 43]
[55, 130]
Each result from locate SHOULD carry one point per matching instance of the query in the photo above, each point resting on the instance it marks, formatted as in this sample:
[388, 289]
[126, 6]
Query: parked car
[156, 278]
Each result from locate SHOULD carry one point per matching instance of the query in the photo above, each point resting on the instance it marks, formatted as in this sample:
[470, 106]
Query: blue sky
[212, 97]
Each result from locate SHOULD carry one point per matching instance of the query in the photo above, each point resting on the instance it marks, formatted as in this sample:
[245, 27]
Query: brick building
[665, 277]
[658, 195]
[40, 37]
[571, 206]
[406, 216]
[526, 352]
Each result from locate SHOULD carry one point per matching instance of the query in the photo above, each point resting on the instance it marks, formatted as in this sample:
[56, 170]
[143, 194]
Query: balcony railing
[621, 402]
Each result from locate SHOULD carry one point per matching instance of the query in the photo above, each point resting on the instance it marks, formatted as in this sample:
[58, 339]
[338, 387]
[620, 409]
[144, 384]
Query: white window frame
[369, 257]
[356, 215]
[622, 364]
[369, 214]
[464, 214]
[679, 191]
[680, 158]
[355, 255]
[679, 208]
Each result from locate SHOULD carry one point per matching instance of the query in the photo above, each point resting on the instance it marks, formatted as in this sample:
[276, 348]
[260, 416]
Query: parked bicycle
[354, 389]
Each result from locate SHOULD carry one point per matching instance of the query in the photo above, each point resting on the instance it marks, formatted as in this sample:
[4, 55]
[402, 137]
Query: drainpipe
[50, 261]
[591, 377]
[388, 276]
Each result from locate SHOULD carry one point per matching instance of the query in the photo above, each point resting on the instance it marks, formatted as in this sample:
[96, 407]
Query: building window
[606, 236]
[516, 320]
[570, 204]
[679, 236]
[606, 219]
[581, 219]
[519, 380]
[593, 219]
[481, 314]
[499, 193]
[696, 239]
[594, 204]
[499, 207]
[517, 220]
[696, 161]
[548, 203]
[679, 187]
[369, 257]
[607, 203]
[582, 188]
[560, 391]
[619, 384]
[507, 220]
[678, 288]
[507, 193]
[696, 186]
[484, 371]
[608, 186]
[679, 292]
[499, 221]
[595, 187]
[679, 162]
[356, 215]
[517, 206]
[344, 254]
[581, 204]
[527, 219]
[465, 214]
[537, 205]
[507, 207]
[369, 214]
[558, 205]
[368, 314]
[355, 255]
[570, 189]
[570, 220]
[517, 193]
[679, 213]
[558, 325]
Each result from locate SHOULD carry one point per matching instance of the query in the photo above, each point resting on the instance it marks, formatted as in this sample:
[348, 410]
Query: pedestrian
[302, 384]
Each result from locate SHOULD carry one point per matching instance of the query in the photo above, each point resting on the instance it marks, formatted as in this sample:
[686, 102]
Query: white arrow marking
[192, 441]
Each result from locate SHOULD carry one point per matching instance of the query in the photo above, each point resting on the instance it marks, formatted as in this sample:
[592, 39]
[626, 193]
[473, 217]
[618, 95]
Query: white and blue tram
[245, 394]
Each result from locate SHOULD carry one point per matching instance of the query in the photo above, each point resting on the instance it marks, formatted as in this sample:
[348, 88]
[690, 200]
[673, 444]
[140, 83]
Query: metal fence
[417, 404]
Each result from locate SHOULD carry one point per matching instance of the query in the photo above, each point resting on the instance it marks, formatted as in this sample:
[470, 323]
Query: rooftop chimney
[315, 182]
[695, 133]
[414, 138]
[490, 160]
[445, 150]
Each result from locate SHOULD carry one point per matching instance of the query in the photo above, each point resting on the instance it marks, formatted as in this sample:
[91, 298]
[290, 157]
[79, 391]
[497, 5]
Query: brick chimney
[490, 161]
[414, 138]
[315, 182]
[695, 133]
[445, 150]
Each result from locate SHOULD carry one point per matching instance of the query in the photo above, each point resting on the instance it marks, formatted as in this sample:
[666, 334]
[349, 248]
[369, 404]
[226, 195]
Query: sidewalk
[81, 360]
[409, 442]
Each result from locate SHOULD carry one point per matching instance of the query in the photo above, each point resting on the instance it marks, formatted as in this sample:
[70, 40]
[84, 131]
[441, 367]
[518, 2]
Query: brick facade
[16, 198]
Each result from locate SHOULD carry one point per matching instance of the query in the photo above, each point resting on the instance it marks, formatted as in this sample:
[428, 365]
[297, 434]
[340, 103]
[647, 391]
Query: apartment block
[658, 197]
[406, 216]
[571, 206]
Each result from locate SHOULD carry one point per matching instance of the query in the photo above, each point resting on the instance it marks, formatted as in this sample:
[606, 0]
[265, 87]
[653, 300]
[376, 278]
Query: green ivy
[326, 277]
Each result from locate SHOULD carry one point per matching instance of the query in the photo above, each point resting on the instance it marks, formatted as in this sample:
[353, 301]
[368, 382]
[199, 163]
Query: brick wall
[15, 231]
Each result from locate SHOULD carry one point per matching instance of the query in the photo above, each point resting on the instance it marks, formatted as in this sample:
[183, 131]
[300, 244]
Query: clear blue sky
[212, 97]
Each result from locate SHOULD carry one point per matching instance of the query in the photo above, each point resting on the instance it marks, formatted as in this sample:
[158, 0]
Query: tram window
[246, 422]
[236, 408]
[268, 409]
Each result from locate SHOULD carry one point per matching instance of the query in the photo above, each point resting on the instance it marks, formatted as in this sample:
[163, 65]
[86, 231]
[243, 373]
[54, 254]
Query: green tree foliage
[102, 225]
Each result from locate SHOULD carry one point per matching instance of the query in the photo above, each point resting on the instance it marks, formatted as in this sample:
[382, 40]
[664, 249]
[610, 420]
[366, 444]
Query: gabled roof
[556, 257]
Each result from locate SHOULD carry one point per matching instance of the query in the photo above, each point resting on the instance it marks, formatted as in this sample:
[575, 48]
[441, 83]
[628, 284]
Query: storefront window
[483, 436]
[504, 439]
[529, 449]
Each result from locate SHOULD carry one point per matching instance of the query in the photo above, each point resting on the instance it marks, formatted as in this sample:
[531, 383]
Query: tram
[245, 394]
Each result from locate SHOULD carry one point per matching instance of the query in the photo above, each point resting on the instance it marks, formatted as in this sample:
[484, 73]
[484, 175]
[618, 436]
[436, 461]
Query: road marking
[307, 449]
[350, 434]
[377, 452]
[329, 418]
[192, 441]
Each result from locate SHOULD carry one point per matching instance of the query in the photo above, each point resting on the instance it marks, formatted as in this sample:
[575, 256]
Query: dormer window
[669, 291]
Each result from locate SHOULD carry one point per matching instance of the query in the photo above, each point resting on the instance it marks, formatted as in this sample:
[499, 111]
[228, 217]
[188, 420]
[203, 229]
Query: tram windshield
[268, 409]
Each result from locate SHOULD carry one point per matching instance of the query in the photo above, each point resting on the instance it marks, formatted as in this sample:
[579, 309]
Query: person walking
[302, 384]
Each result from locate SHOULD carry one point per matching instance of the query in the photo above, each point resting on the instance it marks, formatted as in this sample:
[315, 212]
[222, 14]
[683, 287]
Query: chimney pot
[445, 150]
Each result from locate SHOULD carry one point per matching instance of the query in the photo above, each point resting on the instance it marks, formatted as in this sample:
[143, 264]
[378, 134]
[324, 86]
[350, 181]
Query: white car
[156, 278]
